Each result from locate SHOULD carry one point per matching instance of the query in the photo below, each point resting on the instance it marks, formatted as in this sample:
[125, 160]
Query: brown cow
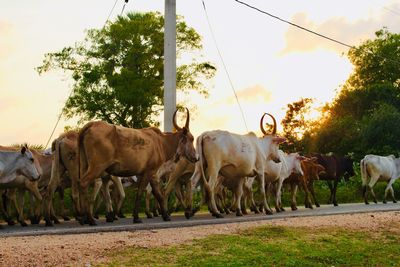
[311, 170]
[122, 151]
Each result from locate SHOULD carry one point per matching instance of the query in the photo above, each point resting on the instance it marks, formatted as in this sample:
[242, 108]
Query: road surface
[73, 227]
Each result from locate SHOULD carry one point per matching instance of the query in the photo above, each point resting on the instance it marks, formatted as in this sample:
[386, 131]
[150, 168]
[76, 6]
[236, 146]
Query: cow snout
[35, 178]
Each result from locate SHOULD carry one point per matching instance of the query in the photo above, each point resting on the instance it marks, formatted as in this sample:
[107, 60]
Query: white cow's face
[274, 148]
[26, 165]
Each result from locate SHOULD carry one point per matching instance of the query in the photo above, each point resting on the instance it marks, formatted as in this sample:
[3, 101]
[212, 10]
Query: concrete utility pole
[169, 63]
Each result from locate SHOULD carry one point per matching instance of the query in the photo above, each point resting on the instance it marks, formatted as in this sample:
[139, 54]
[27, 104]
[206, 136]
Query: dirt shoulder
[84, 249]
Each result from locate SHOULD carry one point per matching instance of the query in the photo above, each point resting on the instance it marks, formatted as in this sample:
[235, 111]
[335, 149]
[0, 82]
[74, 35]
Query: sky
[270, 63]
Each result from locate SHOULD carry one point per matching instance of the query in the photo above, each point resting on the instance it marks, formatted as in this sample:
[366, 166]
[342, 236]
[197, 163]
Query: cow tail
[201, 155]
[364, 172]
[81, 155]
[55, 168]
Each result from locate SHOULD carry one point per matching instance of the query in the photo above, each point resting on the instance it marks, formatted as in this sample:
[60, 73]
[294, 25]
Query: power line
[111, 11]
[313, 32]
[294, 24]
[223, 63]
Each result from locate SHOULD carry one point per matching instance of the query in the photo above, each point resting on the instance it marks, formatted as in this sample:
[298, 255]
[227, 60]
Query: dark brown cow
[311, 171]
[124, 151]
[336, 167]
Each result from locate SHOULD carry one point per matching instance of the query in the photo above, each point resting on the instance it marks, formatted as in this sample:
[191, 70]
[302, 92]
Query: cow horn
[174, 121]
[261, 124]
[187, 119]
[262, 127]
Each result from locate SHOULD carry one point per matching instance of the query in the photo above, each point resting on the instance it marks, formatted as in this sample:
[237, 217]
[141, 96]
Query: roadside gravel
[89, 249]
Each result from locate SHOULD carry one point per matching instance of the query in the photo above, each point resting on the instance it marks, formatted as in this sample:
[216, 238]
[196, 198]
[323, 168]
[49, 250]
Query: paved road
[72, 227]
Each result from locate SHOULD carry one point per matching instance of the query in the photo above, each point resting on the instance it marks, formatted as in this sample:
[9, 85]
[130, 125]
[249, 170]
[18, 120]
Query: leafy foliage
[365, 115]
[118, 70]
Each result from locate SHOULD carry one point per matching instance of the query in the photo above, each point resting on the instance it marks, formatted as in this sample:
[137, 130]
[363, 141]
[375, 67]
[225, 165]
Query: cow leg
[4, 208]
[310, 186]
[62, 205]
[278, 195]
[266, 207]
[142, 183]
[365, 194]
[171, 184]
[293, 190]
[75, 198]
[389, 188]
[212, 191]
[147, 202]
[329, 183]
[238, 197]
[335, 184]
[155, 186]
[307, 200]
[19, 206]
[188, 199]
[105, 191]
[119, 188]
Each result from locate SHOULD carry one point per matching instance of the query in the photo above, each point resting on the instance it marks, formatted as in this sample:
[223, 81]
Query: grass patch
[272, 246]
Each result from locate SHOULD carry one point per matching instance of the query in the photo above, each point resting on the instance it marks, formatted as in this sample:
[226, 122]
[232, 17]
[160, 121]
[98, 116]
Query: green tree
[365, 115]
[295, 124]
[118, 70]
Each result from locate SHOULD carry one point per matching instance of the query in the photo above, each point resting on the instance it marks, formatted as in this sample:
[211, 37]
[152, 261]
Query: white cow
[234, 156]
[378, 168]
[13, 163]
[276, 173]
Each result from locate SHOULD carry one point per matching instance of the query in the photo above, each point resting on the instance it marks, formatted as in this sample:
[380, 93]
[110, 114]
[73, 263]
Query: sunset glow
[270, 63]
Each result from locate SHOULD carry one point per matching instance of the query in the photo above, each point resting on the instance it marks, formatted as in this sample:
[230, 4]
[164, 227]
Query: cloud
[254, 94]
[338, 28]
[6, 40]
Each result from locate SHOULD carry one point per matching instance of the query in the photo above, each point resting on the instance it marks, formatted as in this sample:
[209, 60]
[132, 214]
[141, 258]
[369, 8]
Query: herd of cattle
[108, 158]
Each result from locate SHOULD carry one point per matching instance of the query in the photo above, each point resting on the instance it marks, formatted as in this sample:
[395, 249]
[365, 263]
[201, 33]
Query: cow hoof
[269, 212]
[375, 201]
[110, 217]
[121, 215]
[92, 222]
[149, 216]
[166, 218]
[188, 214]
[49, 224]
[277, 210]
[293, 208]
[66, 218]
[317, 205]
[384, 202]
[394, 201]
[219, 215]
[335, 204]
[23, 224]
[34, 220]
[366, 203]
[10, 222]
[96, 216]
[137, 220]
[282, 209]
[239, 214]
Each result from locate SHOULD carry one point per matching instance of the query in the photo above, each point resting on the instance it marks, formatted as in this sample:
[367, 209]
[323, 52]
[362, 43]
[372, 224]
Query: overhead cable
[223, 63]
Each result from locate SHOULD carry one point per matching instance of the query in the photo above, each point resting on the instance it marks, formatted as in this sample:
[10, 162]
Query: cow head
[26, 163]
[297, 169]
[185, 143]
[275, 140]
[348, 168]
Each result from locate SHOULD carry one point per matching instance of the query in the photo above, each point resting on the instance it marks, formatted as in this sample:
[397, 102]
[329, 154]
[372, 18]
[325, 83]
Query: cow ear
[23, 150]
[278, 139]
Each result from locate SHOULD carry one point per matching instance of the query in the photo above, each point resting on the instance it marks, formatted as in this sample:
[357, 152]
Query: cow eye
[32, 159]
